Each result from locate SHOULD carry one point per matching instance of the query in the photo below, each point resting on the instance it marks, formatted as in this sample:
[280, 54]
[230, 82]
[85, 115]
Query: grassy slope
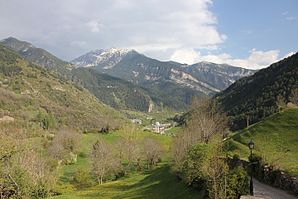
[276, 140]
[159, 183]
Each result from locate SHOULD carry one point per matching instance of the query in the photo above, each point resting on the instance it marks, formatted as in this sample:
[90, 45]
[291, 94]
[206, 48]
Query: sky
[246, 33]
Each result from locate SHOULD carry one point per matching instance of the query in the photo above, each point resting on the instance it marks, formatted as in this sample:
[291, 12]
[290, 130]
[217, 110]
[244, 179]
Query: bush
[237, 183]
[81, 178]
[193, 167]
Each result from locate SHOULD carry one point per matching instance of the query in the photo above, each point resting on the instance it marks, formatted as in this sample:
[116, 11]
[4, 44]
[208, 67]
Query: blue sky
[247, 33]
[260, 24]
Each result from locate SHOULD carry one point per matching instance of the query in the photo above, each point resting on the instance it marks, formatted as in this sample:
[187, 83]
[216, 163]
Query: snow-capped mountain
[204, 77]
[107, 57]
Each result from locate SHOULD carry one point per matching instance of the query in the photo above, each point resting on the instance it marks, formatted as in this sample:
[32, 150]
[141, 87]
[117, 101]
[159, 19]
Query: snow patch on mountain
[107, 57]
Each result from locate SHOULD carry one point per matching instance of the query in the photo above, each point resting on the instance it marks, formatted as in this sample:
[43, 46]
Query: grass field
[275, 138]
[158, 183]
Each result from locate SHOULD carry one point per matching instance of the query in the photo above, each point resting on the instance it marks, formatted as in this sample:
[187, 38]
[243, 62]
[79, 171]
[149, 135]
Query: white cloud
[187, 56]
[257, 59]
[162, 29]
[94, 26]
[153, 27]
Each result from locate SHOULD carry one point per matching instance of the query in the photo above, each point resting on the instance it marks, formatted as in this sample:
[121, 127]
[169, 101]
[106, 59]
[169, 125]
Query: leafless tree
[129, 150]
[65, 143]
[294, 96]
[103, 160]
[217, 170]
[207, 119]
[182, 142]
[152, 151]
[38, 169]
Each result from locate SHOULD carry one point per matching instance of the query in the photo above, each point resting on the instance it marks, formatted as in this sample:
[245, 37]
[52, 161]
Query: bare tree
[182, 142]
[207, 119]
[103, 160]
[217, 170]
[206, 122]
[129, 146]
[294, 96]
[38, 169]
[129, 150]
[152, 151]
[65, 145]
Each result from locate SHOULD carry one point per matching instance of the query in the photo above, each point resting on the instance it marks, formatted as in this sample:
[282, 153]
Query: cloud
[257, 59]
[94, 26]
[187, 56]
[291, 18]
[153, 27]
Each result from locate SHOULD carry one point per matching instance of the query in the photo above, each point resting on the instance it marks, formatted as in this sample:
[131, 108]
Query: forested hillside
[37, 56]
[252, 98]
[29, 93]
[113, 91]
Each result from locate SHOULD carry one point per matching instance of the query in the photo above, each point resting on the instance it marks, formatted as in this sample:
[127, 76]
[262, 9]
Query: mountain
[220, 76]
[37, 56]
[126, 79]
[30, 94]
[262, 94]
[113, 91]
[104, 58]
[163, 79]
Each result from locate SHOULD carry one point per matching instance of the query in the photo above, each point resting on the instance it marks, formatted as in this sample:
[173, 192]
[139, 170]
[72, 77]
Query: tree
[294, 96]
[207, 119]
[182, 142]
[129, 150]
[217, 170]
[129, 147]
[194, 166]
[103, 160]
[152, 151]
[35, 172]
[23, 171]
[65, 145]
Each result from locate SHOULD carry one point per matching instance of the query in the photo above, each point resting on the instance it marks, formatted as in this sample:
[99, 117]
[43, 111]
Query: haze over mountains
[126, 79]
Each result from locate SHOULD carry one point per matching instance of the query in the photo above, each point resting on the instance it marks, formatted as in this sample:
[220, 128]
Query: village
[156, 127]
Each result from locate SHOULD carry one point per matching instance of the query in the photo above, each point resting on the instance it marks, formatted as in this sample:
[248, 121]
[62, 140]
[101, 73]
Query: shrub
[193, 167]
[237, 183]
[82, 178]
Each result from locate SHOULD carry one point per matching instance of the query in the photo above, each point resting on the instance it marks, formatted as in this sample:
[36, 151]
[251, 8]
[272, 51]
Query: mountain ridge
[37, 55]
[28, 90]
[140, 69]
[164, 84]
[255, 97]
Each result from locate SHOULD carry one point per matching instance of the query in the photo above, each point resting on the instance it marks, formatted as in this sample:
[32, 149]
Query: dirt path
[267, 192]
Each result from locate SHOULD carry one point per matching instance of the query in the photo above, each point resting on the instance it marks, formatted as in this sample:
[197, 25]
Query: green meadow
[275, 140]
[157, 183]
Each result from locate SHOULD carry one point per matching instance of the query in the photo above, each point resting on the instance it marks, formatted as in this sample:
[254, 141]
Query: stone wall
[277, 178]
[269, 175]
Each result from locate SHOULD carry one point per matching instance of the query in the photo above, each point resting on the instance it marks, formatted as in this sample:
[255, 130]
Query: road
[267, 192]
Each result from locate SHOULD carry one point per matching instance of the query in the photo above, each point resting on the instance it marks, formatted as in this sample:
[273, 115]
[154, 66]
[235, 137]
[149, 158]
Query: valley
[115, 123]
